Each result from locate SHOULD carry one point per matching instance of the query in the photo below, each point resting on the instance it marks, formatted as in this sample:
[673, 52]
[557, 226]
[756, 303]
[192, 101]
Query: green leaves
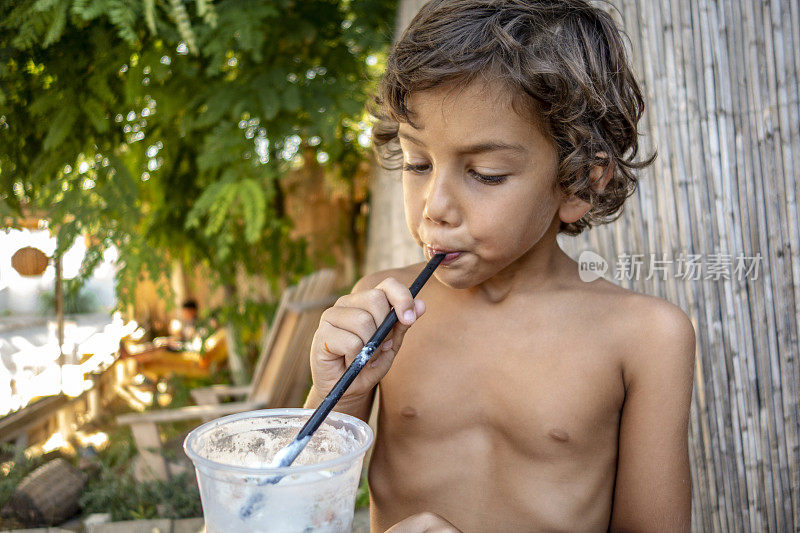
[123, 15]
[290, 98]
[58, 22]
[222, 147]
[181, 18]
[115, 490]
[94, 111]
[166, 128]
[254, 209]
[60, 127]
[242, 202]
[88, 9]
[269, 104]
[214, 202]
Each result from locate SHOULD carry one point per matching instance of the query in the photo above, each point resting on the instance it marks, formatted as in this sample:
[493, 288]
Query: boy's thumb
[416, 311]
[412, 313]
[410, 316]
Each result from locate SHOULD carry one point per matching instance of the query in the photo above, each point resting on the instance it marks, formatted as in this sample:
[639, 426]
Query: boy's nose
[440, 205]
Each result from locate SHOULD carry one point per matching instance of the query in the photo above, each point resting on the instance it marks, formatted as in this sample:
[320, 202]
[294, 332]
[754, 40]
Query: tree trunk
[178, 284]
[389, 243]
[59, 301]
[235, 361]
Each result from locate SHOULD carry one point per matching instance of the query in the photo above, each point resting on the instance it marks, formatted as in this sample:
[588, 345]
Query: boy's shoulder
[651, 333]
[648, 332]
[624, 308]
[630, 304]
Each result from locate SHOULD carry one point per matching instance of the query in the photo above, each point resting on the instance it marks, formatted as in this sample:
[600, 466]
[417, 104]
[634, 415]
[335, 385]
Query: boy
[524, 399]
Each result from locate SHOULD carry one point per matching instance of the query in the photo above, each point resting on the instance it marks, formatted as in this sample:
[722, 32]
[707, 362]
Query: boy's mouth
[450, 256]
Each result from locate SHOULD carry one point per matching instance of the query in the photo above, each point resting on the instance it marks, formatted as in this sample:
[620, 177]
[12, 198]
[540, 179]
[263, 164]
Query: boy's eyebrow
[477, 148]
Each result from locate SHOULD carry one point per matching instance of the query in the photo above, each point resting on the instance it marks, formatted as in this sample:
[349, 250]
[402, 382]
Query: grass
[115, 490]
[362, 496]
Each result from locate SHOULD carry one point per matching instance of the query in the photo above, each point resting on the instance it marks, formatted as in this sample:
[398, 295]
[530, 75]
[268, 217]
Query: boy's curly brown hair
[563, 60]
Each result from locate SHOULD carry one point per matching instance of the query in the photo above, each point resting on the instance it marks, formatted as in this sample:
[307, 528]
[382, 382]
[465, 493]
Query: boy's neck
[539, 269]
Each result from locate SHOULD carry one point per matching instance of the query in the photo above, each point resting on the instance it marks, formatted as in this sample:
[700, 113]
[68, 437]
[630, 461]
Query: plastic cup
[239, 491]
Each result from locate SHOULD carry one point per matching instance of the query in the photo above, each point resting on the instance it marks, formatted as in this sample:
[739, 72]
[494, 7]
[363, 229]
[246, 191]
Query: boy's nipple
[408, 412]
[558, 434]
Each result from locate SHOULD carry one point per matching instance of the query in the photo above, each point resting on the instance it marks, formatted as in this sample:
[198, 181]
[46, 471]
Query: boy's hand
[424, 522]
[347, 326]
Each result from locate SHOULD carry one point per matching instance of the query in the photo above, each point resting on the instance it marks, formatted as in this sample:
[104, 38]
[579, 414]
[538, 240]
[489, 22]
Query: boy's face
[466, 193]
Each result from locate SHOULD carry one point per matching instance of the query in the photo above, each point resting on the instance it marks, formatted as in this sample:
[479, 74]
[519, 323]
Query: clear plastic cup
[239, 492]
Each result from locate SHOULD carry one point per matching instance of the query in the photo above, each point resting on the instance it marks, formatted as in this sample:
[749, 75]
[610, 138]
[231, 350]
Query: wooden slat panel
[148, 441]
[721, 83]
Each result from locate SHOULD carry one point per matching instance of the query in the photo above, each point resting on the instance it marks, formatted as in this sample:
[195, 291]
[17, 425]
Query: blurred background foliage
[166, 128]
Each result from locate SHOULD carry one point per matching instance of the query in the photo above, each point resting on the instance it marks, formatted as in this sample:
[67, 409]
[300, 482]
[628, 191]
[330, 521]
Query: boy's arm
[653, 485]
[346, 327]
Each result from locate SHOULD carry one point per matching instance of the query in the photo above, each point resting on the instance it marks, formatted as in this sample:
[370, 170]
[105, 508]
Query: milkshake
[240, 492]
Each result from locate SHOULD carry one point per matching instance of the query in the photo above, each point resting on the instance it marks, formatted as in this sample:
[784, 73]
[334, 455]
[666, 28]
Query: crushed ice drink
[317, 493]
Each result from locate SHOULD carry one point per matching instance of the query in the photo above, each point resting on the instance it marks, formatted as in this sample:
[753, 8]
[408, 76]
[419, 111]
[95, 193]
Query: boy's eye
[484, 178]
[491, 180]
[414, 168]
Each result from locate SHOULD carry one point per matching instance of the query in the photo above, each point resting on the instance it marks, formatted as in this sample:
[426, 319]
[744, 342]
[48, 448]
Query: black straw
[286, 456]
[355, 367]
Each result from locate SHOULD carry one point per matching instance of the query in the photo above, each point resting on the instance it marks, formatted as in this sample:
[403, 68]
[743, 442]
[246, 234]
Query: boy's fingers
[348, 326]
[419, 305]
[381, 362]
[353, 319]
[391, 345]
[334, 342]
[397, 336]
[378, 302]
[399, 331]
[400, 298]
[373, 301]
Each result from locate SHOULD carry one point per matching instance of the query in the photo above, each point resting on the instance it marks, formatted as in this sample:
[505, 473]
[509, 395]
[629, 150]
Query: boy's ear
[573, 208]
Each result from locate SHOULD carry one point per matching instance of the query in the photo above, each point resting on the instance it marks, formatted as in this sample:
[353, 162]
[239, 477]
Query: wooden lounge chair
[280, 378]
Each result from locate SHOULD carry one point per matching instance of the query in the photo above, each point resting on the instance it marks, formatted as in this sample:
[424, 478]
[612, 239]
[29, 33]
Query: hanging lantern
[29, 261]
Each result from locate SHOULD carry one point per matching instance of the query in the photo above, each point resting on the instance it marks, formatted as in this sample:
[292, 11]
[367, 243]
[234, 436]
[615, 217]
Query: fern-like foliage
[166, 128]
[181, 18]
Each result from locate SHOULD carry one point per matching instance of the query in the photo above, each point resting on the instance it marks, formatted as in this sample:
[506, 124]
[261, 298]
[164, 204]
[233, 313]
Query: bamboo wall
[721, 83]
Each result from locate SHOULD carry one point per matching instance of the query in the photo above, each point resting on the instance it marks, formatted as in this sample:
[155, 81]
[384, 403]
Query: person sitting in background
[184, 331]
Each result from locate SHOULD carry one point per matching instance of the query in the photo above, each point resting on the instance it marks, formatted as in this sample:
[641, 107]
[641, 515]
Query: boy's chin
[455, 279]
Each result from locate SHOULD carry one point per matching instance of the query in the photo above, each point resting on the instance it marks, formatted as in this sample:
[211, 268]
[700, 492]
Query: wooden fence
[717, 217]
[721, 81]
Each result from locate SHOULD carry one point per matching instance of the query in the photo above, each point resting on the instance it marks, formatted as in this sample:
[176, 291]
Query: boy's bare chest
[541, 387]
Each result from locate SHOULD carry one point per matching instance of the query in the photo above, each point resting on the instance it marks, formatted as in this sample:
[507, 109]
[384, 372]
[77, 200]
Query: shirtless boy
[513, 395]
